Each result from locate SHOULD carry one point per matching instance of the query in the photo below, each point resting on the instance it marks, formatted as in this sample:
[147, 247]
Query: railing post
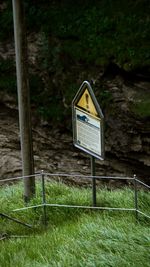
[44, 198]
[136, 197]
[93, 180]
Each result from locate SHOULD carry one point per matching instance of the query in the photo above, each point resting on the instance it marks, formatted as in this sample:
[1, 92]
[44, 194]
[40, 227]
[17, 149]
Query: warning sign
[88, 122]
[86, 103]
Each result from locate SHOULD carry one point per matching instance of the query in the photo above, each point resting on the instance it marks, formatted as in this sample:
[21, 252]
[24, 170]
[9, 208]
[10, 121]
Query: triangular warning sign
[88, 122]
[85, 102]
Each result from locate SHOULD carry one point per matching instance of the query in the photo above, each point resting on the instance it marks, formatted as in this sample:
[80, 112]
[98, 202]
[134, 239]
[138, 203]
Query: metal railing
[45, 204]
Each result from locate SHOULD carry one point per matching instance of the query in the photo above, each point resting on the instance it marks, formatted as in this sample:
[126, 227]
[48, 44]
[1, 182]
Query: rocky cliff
[124, 99]
[127, 132]
[127, 139]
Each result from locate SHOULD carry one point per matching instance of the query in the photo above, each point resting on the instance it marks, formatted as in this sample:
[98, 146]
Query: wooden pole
[23, 98]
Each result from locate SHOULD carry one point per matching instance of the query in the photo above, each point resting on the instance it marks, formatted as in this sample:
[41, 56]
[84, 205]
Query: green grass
[75, 237]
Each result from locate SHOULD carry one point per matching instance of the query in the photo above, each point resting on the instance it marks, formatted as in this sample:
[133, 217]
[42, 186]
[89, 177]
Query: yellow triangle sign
[85, 102]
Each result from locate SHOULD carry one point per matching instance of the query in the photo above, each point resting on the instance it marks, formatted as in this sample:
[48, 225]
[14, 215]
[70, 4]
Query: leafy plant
[141, 108]
[8, 77]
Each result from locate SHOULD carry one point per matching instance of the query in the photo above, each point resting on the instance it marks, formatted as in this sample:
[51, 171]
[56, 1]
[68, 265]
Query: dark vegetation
[77, 40]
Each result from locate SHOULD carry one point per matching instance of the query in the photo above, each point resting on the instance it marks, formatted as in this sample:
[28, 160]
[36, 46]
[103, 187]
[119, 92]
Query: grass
[75, 237]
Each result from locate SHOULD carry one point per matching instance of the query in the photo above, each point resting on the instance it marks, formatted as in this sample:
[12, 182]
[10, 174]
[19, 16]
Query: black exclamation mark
[87, 101]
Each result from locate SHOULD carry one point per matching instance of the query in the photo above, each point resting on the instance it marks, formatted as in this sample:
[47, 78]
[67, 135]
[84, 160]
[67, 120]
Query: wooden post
[23, 98]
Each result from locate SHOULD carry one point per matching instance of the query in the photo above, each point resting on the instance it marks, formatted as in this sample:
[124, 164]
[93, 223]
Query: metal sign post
[88, 127]
[93, 180]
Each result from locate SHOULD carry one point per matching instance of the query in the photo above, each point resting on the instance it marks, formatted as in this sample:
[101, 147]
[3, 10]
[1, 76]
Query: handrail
[140, 182]
[44, 204]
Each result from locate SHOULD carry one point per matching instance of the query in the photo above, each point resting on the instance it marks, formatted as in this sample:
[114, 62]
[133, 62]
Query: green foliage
[105, 98]
[52, 111]
[79, 33]
[7, 78]
[140, 104]
[74, 237]
[93, 32]
[141, 108]
[6, 21]
[97, 31]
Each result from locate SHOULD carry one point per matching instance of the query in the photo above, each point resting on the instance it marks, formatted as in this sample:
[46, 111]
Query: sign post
[88, 126]
[93, 180]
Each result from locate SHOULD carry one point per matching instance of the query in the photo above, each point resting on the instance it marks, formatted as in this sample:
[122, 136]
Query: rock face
[9, 143]
[127, 140]
[53, 148]
[127, 133]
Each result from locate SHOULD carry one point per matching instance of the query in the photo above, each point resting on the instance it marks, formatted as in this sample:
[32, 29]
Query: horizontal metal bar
[88, 207]
[18, 178]
[82, 207]
[74, 206]
[73, 175]
[30, 207]
[87, 176]
[143, 214]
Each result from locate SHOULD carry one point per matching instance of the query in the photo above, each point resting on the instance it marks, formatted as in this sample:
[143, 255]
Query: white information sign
[88, 131]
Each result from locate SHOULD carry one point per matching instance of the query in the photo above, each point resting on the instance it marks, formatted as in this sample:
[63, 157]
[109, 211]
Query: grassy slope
[75, 237]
